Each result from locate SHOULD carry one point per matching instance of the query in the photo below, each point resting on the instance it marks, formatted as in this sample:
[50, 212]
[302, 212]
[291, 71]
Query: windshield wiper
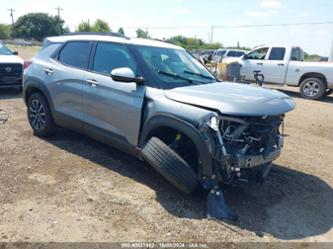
[191, 81]
[200, 75]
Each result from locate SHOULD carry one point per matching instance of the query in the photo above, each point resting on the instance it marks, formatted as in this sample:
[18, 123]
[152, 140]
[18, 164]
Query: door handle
[280, 64]
[260, 63]
[92, 82]
[48, 71]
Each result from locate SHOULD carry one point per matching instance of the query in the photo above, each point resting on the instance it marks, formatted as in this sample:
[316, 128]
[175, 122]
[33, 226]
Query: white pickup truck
[285, 65]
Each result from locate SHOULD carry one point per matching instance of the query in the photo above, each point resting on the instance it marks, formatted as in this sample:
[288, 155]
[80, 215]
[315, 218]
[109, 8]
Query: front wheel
[39, 115]
[170, 165]
[312, 88]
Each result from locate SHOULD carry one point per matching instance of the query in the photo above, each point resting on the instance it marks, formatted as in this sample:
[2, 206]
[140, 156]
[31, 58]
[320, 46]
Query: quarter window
[109, 56]
[76, 54]
[277, 54]
[297, 54]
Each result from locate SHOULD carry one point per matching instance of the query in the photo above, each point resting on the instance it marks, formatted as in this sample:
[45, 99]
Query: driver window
[258, 54]
[109, 56]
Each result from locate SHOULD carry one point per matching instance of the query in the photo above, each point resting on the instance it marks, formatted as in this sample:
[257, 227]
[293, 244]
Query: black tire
[312, 88]
[170, 165]
[39, 116]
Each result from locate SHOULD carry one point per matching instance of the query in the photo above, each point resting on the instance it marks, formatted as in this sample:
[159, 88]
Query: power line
[237, 26]
[11, 10]
[276, 25]
[213, 28]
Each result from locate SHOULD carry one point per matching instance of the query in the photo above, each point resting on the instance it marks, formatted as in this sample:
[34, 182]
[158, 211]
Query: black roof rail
[97, 33]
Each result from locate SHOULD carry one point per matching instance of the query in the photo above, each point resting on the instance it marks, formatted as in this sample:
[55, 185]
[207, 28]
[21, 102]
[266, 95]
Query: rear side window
[297, 54]
[76, 54]
[109, 56]
[277, 54]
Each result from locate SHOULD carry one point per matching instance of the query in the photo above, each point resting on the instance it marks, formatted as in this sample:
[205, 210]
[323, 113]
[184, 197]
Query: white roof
[109, 38]
[276, 45]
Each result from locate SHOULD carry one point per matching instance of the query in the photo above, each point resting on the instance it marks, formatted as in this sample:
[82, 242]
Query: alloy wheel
[37, 115]
[311, 88]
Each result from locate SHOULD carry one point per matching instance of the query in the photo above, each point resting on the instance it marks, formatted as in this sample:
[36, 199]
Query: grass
[25, 52]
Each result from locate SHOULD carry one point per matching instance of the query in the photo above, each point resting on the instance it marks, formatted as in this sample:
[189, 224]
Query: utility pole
[11, 10]
[59, 26]
[211, 34]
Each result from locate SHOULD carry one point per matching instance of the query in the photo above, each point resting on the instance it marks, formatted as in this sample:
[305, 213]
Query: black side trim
[111, 139]
[186, 128]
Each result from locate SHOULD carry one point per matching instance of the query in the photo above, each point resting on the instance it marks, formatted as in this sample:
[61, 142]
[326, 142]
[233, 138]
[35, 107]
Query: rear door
[275, 67]
[254, 61]
[112, 109]
[66, 80]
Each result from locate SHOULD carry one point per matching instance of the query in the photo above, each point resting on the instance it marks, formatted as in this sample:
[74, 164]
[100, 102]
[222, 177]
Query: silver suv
[155, 101]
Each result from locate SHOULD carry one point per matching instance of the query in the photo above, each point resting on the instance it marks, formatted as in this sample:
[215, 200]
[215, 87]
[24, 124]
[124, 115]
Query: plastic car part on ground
[3, 116]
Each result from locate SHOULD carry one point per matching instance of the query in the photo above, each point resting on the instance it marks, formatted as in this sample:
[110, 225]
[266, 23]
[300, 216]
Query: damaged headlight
[214, 122]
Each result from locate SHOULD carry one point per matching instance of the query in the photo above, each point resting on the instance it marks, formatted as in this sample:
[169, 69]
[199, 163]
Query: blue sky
[194, 17]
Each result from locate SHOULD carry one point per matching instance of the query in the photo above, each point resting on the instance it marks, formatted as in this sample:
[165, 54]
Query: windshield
[174, 67]
[4, 50]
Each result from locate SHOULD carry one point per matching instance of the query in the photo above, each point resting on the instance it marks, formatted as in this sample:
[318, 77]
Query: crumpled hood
[10, 59]
[234, 99]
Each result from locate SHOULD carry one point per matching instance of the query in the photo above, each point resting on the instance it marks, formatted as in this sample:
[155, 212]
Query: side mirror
[15, 53]
[245, 57]
[125, 74]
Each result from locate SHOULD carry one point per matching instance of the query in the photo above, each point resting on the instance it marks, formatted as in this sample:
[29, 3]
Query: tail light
[26, 64]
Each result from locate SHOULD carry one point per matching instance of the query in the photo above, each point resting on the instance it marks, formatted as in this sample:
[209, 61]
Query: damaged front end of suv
[242, 128]
[243, 149]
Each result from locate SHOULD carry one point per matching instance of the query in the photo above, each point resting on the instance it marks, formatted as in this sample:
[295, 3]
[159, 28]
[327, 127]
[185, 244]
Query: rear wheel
[170, 165]
[312, 88]
[39, 116]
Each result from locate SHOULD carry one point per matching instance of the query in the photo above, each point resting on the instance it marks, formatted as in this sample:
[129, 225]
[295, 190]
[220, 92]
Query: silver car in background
[221, 54]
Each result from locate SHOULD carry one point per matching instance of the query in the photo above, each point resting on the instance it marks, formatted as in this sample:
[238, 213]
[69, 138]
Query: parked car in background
[11, 68]
[206, 55]
[285, 65]
[220, 54]
[155, 101]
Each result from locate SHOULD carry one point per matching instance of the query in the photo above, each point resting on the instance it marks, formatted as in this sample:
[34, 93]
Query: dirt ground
[71, 188]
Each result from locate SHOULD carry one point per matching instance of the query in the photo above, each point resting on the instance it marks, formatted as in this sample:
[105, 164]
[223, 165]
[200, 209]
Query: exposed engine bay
[244, 147]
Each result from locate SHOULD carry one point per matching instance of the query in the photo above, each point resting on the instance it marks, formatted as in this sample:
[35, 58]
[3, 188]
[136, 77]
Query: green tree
[121, 31]
[98, 26]
[101, 26]
[311, 57]
[38, 26]
[192, 43]
[84, 27]
[5, 31]
[142, 34]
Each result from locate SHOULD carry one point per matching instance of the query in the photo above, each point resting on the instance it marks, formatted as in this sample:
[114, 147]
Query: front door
[254, 61]
[112, 108]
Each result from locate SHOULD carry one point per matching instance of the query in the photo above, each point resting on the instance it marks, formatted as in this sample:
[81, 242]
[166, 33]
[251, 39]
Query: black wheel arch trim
[312, 75]
[36, 83]
[164, 120]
